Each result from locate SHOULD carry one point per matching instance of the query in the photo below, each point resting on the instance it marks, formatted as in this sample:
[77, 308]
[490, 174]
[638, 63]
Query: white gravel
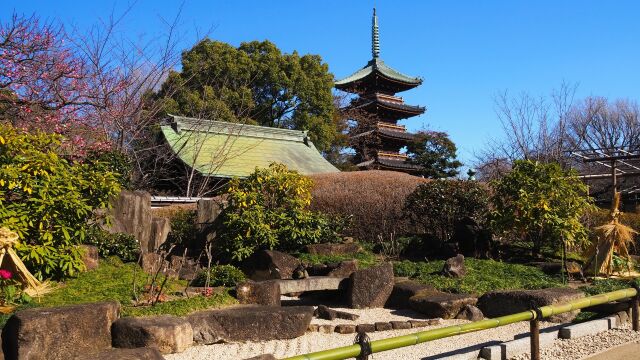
[315, 341]
[586, 346]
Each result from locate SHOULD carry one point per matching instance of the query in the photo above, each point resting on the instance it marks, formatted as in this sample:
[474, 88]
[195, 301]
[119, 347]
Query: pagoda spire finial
[375, 37]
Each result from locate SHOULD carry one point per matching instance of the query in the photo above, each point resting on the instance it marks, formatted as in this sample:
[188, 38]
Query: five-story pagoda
[378, 138]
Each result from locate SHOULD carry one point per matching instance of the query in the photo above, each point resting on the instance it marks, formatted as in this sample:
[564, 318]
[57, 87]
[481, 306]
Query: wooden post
[534, 326]
[635, 319]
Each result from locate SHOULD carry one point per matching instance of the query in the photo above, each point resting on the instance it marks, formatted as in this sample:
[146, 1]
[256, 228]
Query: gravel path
[586, 346]
[315, 341]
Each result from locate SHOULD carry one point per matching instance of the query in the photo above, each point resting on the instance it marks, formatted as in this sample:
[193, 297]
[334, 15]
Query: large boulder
[440, 304]
[124, 354]
[334, 249]
[370, 288]
[250, 323]
[168, 334]
[403, 290]
[260, 293]
[504, 302]
[208, 219]
[132, 215]
[270, 264]
[60, 332]
[454, 267]
[160, 228]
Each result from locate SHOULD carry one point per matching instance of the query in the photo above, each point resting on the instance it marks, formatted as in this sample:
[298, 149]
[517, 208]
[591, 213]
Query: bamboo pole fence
[533, 316]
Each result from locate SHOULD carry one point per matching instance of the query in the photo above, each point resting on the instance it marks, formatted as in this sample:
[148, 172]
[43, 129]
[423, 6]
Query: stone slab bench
[312, 283]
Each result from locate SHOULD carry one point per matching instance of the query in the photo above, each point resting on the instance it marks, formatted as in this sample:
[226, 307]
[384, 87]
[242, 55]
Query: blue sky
[466, 51]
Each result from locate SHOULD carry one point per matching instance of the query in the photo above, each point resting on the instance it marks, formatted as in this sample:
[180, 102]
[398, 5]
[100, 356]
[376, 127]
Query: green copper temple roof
[225, 150]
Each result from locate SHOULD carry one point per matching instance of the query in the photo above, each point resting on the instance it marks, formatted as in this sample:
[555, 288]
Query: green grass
[366, 259]
[113, 280]
[482, 276]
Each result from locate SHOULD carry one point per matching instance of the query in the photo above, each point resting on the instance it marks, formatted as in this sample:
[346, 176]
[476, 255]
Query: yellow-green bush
[270, 210]
[48, 200]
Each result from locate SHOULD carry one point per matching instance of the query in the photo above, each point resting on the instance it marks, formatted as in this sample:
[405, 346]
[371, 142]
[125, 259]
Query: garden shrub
[541, 204]
[124, 246]
[437, 206]
[113, 161]
[270, 210]
[183, 228]
[372, 200]
[220, 275]
[48, 200]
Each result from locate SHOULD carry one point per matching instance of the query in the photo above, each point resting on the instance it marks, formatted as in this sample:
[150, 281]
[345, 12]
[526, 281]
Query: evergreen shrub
[48, 200]
[270, 210]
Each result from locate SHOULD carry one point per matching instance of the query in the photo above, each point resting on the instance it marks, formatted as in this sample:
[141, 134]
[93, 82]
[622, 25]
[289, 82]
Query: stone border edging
[367, 327]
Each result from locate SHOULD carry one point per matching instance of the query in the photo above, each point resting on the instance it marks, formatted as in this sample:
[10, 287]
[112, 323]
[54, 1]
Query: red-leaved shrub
[374, 201]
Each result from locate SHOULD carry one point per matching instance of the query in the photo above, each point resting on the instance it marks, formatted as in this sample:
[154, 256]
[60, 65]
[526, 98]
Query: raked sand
[314, 341]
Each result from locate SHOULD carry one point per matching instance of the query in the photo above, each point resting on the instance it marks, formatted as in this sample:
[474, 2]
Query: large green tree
[436, 153]
[255, 83]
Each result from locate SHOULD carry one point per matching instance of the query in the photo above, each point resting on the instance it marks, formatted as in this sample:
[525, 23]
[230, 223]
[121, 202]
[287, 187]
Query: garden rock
[345, 329]
[454, 267]
[403, 289]
[124, 354]
[160, 228]
[132, 215]
[370, 288]
[270, 264]
[90, 256]
[365, 328]
[471, 313]
[260, 293]
[59, 332]
[151, 262]
[326, 313]
[400, 325]
[250, 323]
[554, 268]
[344, 269]
[207, 218]
[440, 304]
[334, 249]
[263, 357]
[499, 303]
[168, 334]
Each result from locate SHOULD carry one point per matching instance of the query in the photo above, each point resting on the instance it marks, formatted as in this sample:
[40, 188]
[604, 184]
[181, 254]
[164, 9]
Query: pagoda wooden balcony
[392, 155]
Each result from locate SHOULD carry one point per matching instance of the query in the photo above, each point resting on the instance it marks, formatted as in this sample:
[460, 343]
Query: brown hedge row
[373, 199]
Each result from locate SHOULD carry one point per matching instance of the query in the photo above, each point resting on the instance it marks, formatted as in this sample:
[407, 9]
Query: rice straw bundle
[613, 238]
[9, 260]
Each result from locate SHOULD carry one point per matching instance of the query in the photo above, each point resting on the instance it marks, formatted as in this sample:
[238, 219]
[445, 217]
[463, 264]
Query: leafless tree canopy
[550, 128]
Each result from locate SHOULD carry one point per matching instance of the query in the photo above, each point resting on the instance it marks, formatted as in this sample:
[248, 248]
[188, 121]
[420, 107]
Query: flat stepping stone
[250, 323]
[312, 283]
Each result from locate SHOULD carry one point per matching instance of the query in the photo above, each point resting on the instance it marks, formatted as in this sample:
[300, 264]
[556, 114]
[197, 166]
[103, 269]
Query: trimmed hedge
[373, 200]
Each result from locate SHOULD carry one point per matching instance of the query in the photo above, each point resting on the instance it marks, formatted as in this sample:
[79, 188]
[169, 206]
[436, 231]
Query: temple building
[225, 150]
[379, 138]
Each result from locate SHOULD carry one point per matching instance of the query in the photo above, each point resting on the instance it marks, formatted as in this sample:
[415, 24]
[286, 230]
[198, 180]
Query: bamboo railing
[534, 316]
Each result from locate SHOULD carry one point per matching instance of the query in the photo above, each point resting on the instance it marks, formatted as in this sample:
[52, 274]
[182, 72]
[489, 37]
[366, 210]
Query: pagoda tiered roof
[393, 110]
[377, 74]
